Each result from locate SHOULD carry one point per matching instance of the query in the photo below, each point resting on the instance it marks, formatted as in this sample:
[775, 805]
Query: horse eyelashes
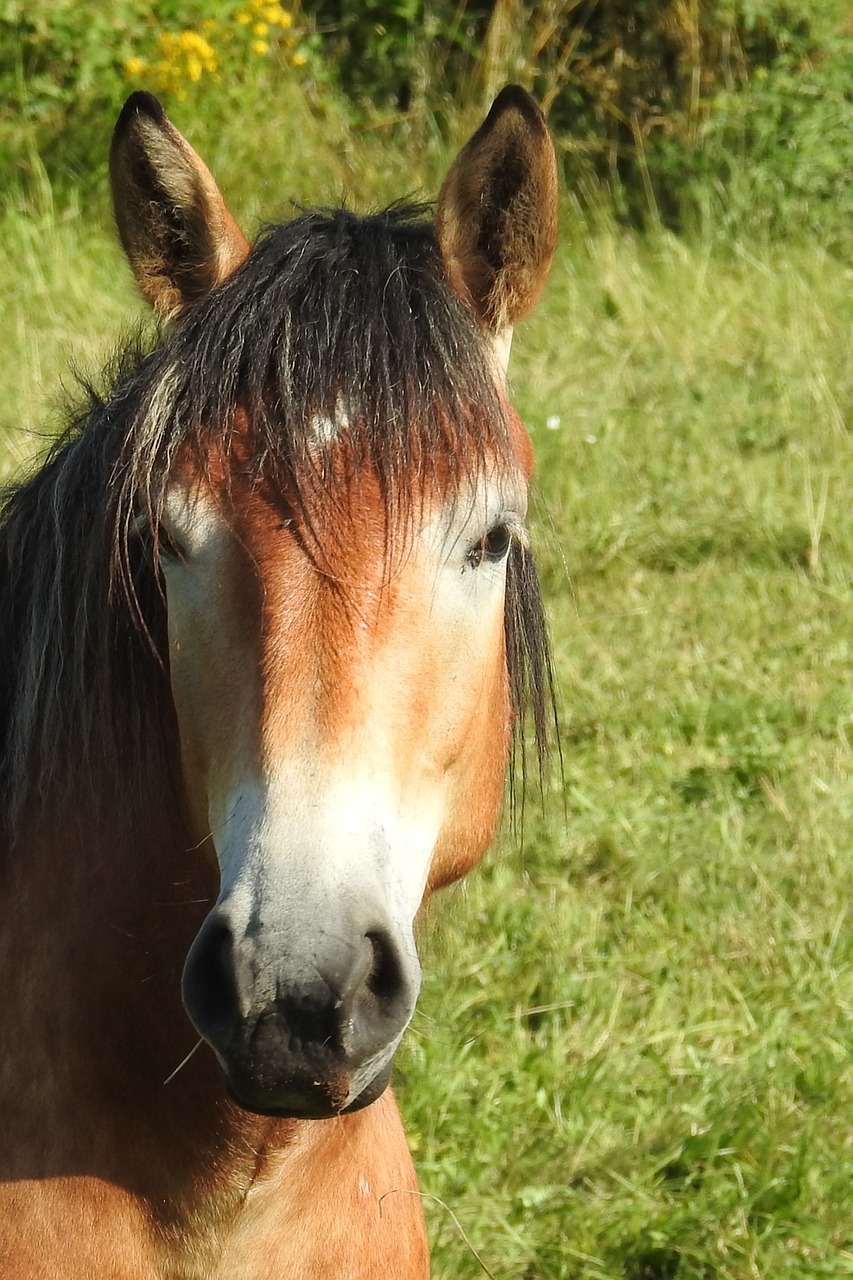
[492, 547]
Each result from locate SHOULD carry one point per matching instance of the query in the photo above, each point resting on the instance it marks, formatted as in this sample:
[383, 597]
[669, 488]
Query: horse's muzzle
[304, 1030]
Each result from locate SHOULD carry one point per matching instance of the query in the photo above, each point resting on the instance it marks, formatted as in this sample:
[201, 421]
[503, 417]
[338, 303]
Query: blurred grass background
[632, 1058]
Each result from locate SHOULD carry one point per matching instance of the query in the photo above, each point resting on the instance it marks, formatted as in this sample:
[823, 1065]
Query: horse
[270, 631]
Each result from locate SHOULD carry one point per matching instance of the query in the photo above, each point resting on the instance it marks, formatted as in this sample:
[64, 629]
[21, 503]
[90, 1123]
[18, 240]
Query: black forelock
[332, 315]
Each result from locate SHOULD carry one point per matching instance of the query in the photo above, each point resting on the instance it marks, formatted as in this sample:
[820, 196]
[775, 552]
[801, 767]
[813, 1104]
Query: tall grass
[632, 1058]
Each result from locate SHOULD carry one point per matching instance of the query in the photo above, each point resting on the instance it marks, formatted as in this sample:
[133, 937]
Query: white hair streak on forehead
[325, 430]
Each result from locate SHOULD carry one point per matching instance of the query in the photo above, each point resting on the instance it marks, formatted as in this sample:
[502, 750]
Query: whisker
[182, 1064]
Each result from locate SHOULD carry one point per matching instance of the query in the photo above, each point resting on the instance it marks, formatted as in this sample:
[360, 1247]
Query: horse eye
[492, 547]
[167, 547]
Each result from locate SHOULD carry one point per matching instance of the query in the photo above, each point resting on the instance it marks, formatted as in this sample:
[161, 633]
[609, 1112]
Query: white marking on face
[301, 835]
[344, 821]
[302, 857]
[261, 806]
[324, 430]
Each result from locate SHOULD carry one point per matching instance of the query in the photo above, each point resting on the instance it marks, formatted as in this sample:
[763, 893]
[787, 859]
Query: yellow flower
[298, 60]
[244, 19]
[260, 46]
[260, 28]
[134, 68]
[183, 55]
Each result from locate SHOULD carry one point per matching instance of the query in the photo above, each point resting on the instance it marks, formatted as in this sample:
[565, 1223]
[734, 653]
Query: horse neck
[100, 910]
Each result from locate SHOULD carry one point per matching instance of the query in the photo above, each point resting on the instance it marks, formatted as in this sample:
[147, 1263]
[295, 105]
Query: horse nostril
[209, 983]
[381, 976]
[384, 977]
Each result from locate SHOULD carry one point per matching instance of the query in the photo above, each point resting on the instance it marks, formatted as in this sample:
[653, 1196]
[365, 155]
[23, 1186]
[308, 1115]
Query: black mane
[330, 314]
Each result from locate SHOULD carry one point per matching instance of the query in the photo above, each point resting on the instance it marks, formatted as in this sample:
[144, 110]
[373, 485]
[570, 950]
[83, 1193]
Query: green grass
[632, 1058]
[641, 1021]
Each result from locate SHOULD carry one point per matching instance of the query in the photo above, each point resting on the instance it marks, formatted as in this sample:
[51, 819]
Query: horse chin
[290, 1100]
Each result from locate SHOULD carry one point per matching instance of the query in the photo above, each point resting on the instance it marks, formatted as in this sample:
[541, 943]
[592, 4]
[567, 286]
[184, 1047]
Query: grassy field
[641, 1019]
[633, 1058]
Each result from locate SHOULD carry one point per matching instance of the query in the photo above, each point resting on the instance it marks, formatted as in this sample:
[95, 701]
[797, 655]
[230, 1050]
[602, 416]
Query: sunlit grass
[632, 1058]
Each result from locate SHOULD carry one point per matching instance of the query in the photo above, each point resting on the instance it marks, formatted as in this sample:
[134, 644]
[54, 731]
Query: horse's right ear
[496, 220]
[174, 226]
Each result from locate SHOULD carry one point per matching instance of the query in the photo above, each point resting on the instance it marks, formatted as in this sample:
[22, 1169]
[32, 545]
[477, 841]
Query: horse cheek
[477, 790]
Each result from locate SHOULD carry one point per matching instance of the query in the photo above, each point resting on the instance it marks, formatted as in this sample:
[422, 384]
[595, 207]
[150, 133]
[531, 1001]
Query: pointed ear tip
[140, 103]
[513, 97]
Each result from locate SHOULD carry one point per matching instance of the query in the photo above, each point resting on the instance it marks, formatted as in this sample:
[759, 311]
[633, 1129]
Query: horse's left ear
[496, 219]
[173, 223]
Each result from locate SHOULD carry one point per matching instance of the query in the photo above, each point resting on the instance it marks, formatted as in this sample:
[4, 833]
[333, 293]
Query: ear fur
[174, 226]
[496, 219]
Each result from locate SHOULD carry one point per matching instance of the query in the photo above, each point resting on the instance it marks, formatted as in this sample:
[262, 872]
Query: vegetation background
[632, 1058]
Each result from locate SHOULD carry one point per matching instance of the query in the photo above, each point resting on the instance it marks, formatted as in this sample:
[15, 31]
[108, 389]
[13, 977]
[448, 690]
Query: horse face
[342, 701]
[344, 714]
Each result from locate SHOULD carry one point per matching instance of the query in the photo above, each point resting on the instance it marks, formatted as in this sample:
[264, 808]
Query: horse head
[352, 613]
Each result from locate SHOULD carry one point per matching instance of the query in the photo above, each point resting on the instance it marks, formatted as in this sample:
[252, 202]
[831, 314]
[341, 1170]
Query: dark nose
[298, 1027]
